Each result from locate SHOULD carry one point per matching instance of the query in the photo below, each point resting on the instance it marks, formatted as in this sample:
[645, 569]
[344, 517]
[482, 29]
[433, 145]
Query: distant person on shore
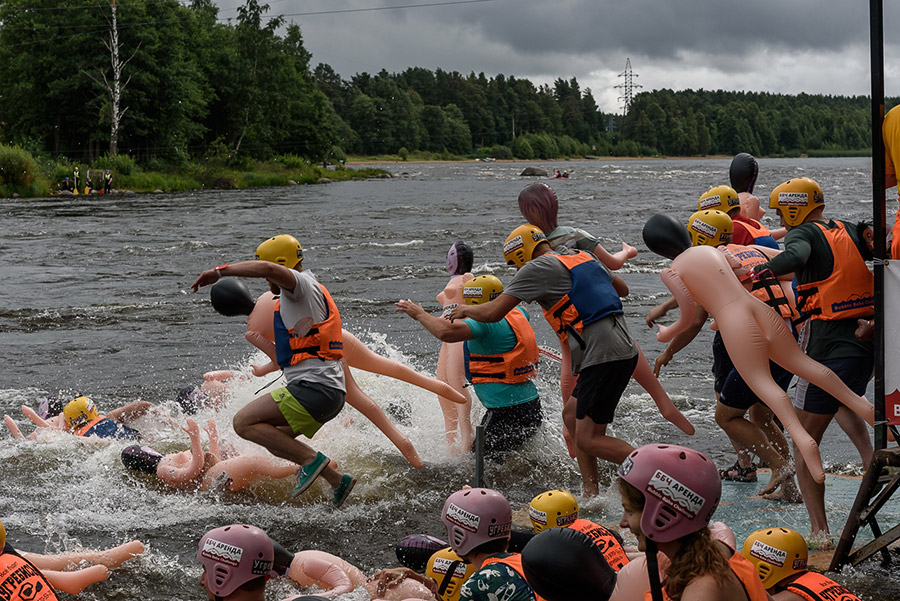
[107, 182]
[89, 187]
[65, 186]
[76, 179]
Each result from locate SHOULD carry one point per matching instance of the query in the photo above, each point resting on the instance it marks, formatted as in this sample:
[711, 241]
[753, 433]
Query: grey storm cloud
[780, 46]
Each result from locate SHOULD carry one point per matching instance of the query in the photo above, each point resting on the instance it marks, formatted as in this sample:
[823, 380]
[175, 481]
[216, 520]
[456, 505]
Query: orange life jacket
[746, 573]
[758, 232]
[324, 339]
[605, 540]
[766, 288]
[20, 579]
[819, 587]
[591, 298]
[514, 561]
[514, 366]
[849, 292]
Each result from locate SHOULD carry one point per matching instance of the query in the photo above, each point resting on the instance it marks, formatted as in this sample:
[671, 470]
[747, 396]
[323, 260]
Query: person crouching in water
[501, 361]
[309, 348]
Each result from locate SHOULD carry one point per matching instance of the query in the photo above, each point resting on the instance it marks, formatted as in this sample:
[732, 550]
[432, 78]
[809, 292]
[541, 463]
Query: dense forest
[168, 83]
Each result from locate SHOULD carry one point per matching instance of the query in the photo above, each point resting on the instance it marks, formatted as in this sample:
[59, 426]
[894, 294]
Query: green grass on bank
[25, 175]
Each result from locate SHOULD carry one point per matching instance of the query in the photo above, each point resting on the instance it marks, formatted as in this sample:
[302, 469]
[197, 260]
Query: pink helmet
[233, 555]
[681, 489]
[474, 516]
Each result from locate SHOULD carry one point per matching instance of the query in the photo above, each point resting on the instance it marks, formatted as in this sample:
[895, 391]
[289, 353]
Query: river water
[96, 300]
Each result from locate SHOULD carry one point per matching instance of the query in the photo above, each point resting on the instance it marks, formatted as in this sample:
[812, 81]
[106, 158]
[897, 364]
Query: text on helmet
[462, 518]
[222, 552]
[675, 494]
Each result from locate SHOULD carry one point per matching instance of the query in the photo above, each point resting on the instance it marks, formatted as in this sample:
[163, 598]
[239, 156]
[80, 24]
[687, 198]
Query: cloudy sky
[778, 46]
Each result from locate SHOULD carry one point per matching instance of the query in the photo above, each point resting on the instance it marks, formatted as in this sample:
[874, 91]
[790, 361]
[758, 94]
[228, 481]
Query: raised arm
[279, 275]
[180, 471]
[490, 312]
[442, 329]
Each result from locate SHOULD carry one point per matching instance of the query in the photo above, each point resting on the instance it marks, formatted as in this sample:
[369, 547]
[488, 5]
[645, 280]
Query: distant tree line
[194, 87]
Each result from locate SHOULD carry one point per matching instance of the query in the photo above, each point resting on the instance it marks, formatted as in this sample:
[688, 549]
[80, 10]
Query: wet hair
[141, 458]
[866, 239]
[699, 553]
[51, 406]
[539, 206]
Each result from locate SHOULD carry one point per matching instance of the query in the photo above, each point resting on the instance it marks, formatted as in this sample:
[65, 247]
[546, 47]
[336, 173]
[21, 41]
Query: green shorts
[306, 406]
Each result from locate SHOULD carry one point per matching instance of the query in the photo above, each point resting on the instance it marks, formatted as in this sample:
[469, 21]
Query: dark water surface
[96, 300]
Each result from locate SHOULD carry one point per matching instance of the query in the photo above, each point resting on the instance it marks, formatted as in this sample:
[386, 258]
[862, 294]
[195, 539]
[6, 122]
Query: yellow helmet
[552, 509]
[776, 553]
[720, 198]
[80, 411]
[710, 228]
[2, 537]
[284, 250]
[482, 289]
[519, 246]
[797, 198]
[438, 566]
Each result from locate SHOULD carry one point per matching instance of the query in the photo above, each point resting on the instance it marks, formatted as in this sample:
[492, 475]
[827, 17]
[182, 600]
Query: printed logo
[538, 236]
[513, 245]
[498, 530]
[222, 552]
[537, 516]
[675, 494]
[768, 553]
[793, 199]
[472, 292]
[703, 228]
[800, 564]
[442, 564]
[565, 520]
[261, 566]
[462, 518]
[521, 371]
[626, 466]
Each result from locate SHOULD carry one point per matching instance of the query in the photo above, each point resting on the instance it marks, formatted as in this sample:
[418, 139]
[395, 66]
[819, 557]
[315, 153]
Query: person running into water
[580, 299]
[501, 361]
[309, 348]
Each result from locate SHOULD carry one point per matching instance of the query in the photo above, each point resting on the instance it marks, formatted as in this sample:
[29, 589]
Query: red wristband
[222, 266]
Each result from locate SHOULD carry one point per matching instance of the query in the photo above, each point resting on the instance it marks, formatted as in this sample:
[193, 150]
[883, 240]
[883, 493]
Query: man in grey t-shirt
[309, 347]
[580, 299]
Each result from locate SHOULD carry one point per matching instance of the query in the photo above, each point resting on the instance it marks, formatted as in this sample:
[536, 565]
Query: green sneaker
[343, 490]
[308, 473]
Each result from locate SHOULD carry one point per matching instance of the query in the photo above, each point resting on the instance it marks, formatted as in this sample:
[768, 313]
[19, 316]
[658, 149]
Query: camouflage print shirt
[496, 582]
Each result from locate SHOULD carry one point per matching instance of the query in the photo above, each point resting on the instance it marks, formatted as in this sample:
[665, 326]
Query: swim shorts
[855, 372]
[307, 406]
[506, 428]
[600, 388]
[722, 364]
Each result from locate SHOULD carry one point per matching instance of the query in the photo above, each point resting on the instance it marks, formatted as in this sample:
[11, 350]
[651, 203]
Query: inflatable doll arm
[130, 412]
[222, 375]
[266, 346]
[685, 301]
[359, 356]
[308, 569]
[110, 558]
[213, 434]
[360, 401]
[615, 261]
[34, 417]
[12, 427]
[178, 474]
[75, 582]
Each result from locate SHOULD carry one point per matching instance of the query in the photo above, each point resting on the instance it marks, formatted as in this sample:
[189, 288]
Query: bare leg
[261, 421]
[12, 427]
[75, 582]
[567, 382]
[813, 492]
[111, 558]
[456, 377]
[855, 428]
[587, 463]
[591, 438]
[451, 420]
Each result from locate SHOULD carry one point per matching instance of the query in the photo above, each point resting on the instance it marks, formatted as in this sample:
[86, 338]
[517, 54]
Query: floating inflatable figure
[451, 367]
[753, 334]
[232, 300]
[50, 568]
[195, 469]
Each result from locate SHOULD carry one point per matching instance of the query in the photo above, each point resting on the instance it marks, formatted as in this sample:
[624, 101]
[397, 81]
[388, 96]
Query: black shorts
[737, 394]
[855, 372]
[506, 428]
[600, 388]
[722, 364]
